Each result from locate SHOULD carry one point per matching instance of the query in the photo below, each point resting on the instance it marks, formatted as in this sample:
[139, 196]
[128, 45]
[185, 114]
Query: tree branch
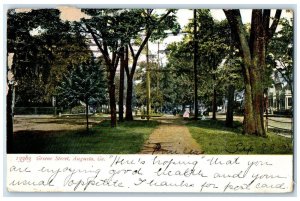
[164, 16]
[143, 44]
[96, 34]
[284, 75]
[282, 63]
[131, 50]
[87, 31]
[135, 58]
[127, 70]
[148, 34]
[126, 66]
[116, 62]
[103, 51]
[235, 21]
[114, 56]
[266, 19]
[274, 25]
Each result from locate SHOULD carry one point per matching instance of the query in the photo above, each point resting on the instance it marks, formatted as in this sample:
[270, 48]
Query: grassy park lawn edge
[214, 138]
[127, 138]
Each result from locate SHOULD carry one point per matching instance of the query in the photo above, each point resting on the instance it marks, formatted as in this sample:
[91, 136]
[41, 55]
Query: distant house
[280, 97]
[238, 99]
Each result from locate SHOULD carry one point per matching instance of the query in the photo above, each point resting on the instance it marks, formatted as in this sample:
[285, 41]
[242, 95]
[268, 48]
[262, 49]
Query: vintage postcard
[150, 100]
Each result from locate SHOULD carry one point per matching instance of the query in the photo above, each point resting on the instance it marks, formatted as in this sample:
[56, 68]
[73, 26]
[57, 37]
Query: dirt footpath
[171, 137]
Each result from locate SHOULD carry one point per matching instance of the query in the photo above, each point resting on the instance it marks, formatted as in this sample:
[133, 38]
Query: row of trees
[118, 37]
[233, 56]
[45, 48]
[213, 38]
[40, 59]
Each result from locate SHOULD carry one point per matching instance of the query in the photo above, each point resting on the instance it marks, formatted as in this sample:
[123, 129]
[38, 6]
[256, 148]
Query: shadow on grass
[216, 124]
[127, 138]
[214, 138]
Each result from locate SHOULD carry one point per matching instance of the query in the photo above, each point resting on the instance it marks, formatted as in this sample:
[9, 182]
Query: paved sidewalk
[171, 137]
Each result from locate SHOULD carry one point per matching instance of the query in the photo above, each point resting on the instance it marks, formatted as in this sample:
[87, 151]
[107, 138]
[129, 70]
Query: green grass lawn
[214, 138]
[127, 138]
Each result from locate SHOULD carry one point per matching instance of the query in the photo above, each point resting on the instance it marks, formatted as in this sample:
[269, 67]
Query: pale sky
[71, 13]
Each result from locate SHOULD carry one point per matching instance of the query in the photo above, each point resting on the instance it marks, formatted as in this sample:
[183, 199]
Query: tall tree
[85, 83]
[153, 25]
[113, 29]
[180, 73]
[213, 41]
[38, 40]
[44, 49]
[254, 54]
[214, 46]
[105, 30]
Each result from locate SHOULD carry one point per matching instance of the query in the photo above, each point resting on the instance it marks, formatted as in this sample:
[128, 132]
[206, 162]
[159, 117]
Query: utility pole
[148, 83]
[195, 65]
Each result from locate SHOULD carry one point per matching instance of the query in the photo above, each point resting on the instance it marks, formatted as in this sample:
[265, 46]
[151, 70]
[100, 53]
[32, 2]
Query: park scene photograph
[149, 81]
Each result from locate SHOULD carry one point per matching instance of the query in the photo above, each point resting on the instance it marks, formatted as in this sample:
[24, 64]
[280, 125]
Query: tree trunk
[258, 106]
[214, 105]
[229, 113]
[112, 64]
[121, 90]
[87, 115]
[257, 70]
[112, 99]
[129, 116]
[249, 123]
[253, 54]
[9, 120]
[129, 91]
